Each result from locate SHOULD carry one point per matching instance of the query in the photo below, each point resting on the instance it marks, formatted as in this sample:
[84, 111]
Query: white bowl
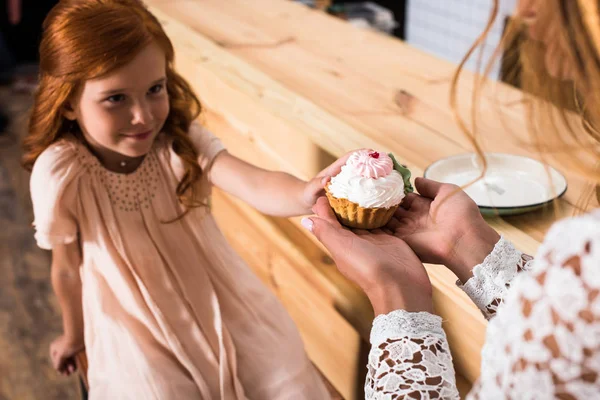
[512, 184]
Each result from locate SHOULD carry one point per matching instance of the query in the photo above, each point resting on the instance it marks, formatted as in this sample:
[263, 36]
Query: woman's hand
[384, 266]
[443, 225]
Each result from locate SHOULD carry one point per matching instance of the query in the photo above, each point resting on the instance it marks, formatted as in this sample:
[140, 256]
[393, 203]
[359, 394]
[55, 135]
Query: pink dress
[170, 310]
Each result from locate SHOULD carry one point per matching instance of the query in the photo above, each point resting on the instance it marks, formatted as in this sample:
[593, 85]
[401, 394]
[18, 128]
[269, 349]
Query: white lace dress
[543, 338]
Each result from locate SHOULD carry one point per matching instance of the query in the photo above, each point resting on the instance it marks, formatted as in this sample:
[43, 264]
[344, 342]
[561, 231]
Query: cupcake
[368, 190]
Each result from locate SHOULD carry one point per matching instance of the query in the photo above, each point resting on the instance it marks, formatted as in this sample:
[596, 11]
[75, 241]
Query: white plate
[512, 184]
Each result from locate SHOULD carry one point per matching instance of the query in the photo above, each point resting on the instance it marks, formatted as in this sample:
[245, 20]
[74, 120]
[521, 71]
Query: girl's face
[121, 113]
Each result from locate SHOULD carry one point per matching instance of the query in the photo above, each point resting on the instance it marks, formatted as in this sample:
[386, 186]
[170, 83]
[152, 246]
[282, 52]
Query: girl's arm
[66, 260]
[270, 192]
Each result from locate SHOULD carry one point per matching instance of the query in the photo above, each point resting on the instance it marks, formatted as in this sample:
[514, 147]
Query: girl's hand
[384, 266]
[315, 188]
[443, 225]
[62, 355]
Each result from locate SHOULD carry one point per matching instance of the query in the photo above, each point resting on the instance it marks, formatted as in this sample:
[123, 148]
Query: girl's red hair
[87, 39]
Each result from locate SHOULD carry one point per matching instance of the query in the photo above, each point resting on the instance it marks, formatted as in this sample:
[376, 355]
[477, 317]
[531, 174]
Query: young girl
[120, 186]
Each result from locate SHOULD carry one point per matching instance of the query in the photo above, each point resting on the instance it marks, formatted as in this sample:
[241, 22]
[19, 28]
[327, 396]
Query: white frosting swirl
[384, 192]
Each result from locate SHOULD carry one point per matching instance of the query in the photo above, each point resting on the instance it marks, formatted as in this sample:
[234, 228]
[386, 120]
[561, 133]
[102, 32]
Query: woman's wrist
[392, 296]
[471, 250]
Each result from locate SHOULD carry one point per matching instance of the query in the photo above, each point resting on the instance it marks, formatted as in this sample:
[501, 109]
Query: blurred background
[445, 28]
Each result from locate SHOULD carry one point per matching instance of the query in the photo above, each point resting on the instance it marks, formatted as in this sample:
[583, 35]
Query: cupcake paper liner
[354, 216]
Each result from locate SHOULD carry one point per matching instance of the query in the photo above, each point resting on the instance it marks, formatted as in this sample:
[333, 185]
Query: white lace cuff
[491, 279]
[409, 359]
[401, 324]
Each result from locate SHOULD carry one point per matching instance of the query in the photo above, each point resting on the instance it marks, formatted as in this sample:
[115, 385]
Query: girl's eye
[117, 98]
[156, 89]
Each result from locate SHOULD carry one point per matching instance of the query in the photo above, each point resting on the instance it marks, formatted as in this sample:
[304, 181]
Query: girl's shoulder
[54, 190]
[60, 154]
[205, 143]
[59, 162]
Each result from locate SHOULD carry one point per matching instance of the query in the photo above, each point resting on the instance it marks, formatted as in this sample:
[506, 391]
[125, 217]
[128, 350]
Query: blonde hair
[561, 117]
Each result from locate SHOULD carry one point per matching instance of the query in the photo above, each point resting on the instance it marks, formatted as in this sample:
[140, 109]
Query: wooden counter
[289, 88]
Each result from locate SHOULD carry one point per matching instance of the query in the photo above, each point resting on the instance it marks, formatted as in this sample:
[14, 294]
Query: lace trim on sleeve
[492, 278]
[409, 358]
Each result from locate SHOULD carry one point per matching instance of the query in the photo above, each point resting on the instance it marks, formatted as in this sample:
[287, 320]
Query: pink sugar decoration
[370, 164]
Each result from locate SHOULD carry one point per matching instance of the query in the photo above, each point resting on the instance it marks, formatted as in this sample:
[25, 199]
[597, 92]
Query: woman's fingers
[324, 211]
[408, 201]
